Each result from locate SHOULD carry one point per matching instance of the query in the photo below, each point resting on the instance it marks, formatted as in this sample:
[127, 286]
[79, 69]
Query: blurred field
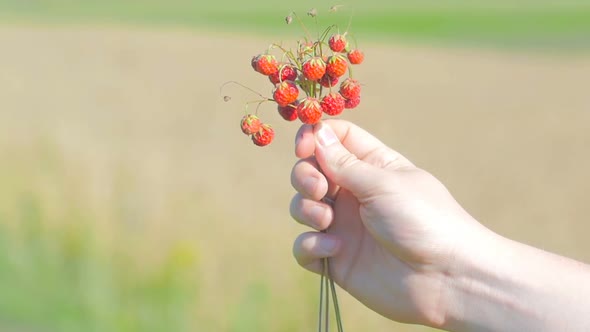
[525, 23]
[130, 201]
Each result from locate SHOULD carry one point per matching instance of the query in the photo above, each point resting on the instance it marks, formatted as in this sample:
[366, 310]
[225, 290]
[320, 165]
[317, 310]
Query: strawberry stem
[317, 26]
[321, 311]
[355, 42]
[259, 102]
[325, 33]
[326, 280]
[241, 85]
[335, 300]
[302, 25]
[288, 53]
[327, 288]
[350, 71]
[349, 21]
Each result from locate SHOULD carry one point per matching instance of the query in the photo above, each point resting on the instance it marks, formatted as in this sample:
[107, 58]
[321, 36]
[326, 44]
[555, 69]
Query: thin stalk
[243, 86]
[286, 52]
[325, 33]
[350, 71]
[327, 280]
[349, 21]
[334, 299]
[259, 102]
[317, 26]
[321, 311]
[302, 25]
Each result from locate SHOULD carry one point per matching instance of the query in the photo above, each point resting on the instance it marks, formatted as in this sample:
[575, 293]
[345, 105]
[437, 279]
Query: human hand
[393, 230]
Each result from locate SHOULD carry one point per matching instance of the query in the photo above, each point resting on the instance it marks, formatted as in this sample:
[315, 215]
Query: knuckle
[345, 160]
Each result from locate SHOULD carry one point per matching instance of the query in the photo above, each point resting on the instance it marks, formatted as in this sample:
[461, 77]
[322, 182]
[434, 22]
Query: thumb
[343, 167]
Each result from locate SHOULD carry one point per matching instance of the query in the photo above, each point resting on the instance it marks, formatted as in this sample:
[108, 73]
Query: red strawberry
[254, 62]
[350, 88]
[328, 81]
[356, 57]
[285, 93]
[352, 102]
[286, 72]
[333, 103]
[250, 124]
[264, 136]
[314, 68]
[267, 64]
[337, 43]
[336, 66]
[309, 110]
[288, 112]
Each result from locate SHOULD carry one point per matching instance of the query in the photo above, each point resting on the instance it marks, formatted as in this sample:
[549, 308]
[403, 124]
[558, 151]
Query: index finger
[356, 140]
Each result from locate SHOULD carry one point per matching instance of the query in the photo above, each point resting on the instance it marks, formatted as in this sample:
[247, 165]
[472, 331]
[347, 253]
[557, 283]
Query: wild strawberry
[285, 93]
[267, 64]
[314, 68]
[254, 62]
[336, 66]
[350, 88]
[250, 124]
[337, 43]
[352, 102]
[288, 112]
[328, 81]
[309, 110]
[356, 57]
[286, 73]
[332, 103]
[264, 136]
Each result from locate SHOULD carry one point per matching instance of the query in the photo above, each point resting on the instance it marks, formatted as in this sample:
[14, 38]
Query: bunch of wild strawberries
[307, 83]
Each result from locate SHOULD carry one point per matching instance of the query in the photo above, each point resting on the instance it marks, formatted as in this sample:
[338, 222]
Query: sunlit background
[130, 200]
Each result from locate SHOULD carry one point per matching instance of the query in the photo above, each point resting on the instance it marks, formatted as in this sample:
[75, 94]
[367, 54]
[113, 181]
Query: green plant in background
[59, 272]
[526, 23]
[247, 314]
[60, 280]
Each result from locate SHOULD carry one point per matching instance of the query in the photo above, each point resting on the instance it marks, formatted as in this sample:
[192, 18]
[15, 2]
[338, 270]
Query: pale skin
[399, 242]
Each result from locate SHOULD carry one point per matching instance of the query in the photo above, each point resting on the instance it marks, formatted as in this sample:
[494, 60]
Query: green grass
[543, 23]
[61, 279]
[60, 271]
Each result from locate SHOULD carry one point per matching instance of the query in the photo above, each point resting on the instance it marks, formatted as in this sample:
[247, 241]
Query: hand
[393, 230]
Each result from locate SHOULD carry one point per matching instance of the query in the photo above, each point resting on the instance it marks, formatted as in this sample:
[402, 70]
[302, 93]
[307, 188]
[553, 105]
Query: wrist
[465, 276]
[485, 287]
[501, 285]
[480, 287]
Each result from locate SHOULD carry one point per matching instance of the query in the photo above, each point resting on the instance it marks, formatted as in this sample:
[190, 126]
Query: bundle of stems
[327, 294]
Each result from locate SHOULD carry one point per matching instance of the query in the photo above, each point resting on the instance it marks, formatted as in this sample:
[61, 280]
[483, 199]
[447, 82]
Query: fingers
[308, 180]
[311, 247]
[304, 142]
[317, 215]
[359, 142]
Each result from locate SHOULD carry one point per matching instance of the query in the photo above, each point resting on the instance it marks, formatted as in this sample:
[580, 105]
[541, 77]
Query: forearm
[509, 286]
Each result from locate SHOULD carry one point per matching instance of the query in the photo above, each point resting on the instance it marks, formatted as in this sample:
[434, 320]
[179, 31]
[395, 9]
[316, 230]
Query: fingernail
[326, 136]
[328, 245]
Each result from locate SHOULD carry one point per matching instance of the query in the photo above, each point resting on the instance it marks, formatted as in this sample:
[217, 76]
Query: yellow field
[123, 132]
